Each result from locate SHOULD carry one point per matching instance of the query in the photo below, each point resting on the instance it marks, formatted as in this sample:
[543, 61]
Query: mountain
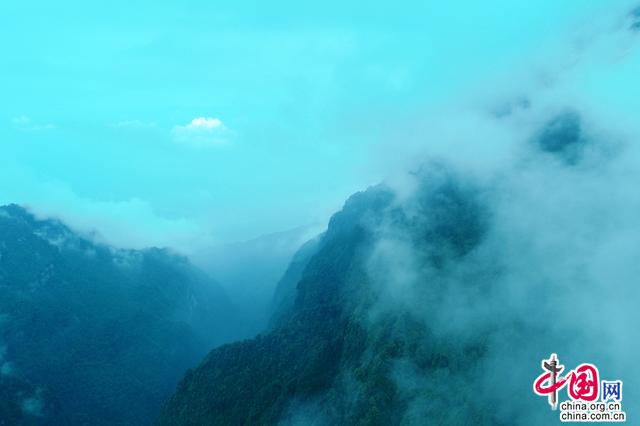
[250, 271]
[434, 303]
[284, 295]
[323, 360]
[90, 334]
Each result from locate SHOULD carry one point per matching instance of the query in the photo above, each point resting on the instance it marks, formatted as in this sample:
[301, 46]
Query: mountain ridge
[101, 333]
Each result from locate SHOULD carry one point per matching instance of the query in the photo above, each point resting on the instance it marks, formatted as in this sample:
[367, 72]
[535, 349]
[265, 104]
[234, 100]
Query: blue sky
[185, 123]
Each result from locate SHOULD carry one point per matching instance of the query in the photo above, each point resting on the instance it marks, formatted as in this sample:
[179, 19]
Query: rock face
[95, 335]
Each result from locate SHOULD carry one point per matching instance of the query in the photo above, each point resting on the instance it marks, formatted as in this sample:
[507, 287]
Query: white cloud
[126, 223]
[202, 132]
[129, 223]
[207, 123]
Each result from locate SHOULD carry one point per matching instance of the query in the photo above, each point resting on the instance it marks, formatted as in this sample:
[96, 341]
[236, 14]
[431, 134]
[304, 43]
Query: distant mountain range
[94, 335]
[250, 270]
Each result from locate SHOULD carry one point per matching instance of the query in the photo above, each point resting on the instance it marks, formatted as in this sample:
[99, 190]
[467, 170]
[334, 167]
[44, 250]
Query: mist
[534, 226]
[513, 234]
[94, 143]
[178, 189]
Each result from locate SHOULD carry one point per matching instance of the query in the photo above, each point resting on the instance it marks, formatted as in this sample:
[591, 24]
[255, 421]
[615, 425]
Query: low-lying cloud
[526, 249]
[129, 223]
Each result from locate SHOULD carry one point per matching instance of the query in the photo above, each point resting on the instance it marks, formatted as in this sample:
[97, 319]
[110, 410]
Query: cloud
[202, 132]
[536, 256]
[26, 123]
[127, 223]
[207, 123]
[589, 66]
[522, 245]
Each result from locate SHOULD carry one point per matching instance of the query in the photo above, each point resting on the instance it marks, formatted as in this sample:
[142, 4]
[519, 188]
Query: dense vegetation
[94, 335]
[326, 361]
